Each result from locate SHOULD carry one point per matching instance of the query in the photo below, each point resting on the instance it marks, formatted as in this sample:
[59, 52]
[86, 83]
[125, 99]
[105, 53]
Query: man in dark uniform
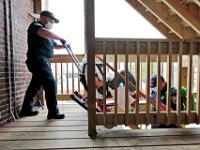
[41, 45]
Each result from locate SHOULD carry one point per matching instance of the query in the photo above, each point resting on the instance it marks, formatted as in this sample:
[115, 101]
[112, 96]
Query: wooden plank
[179, 76]
[152, 116]
[37, 6]
[61, 73]
[127, 85]
[143, 46]
[189, 81]
[48, 123]
[64, 97]
[177, 147]
[115, 72]
[89, 46]
[169, 80]
[70, 133]
[76, 134]
[101, 142]
[197, 2]
[43, 117]
[184, 13]
[65, 58]
[148, 57]
[104, 85]
[42, 129]
[158, 88]
[198, 90]
[159, 10]
[137, 82]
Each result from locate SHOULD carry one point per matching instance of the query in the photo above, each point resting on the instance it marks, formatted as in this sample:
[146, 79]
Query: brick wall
[20, 22]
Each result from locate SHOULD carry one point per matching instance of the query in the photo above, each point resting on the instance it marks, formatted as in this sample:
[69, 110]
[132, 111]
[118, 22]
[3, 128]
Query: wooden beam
[152, 19]
[37, 6]
[182, 11]
[197, 2]
[173, 23]
[152, 116]
[89, 46]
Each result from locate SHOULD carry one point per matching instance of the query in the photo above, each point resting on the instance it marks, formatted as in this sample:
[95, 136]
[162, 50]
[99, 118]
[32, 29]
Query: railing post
[178, 104]
[198, 88]
[89, 46]
[189, 82]
[169, 80]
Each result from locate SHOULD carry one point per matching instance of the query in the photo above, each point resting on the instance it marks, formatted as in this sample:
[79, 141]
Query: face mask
[49, 26]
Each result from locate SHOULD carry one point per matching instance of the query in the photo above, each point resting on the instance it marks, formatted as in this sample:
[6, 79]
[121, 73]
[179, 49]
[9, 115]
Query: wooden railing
[177, 60]
[183, 53]
[67, 76]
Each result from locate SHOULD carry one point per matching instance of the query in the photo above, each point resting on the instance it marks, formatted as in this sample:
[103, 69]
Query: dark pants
[41, 76]
[131, 79]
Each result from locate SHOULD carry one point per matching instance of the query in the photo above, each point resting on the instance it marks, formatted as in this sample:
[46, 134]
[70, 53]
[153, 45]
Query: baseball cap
[50, 15]
[173, 91]
[153, 81]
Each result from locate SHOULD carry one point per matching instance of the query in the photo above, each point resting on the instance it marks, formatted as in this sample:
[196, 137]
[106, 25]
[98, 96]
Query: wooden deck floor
[71, 133]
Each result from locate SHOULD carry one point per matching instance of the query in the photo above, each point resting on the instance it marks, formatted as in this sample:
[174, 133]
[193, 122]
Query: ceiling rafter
[181, 10]
[152, 19]
[161, 11]
[197, 2]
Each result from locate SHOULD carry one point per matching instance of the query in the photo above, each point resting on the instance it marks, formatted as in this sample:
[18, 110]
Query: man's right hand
[63, 41]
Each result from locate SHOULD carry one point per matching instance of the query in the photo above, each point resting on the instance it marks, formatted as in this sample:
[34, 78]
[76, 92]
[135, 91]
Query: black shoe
[28, 113]
[55, 116]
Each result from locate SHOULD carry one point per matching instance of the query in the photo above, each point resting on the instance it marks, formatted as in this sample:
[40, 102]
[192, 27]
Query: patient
[110, 80]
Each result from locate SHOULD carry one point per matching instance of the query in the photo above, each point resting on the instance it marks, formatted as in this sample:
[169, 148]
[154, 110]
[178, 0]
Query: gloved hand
[63, 41]
[69, 46]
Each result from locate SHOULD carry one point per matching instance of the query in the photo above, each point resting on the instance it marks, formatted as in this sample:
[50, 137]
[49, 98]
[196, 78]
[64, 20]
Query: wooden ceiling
[176, 19]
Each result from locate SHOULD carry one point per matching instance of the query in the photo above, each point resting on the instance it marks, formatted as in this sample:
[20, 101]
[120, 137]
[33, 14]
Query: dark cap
[153, 81]
[50, 15]
[173, 91]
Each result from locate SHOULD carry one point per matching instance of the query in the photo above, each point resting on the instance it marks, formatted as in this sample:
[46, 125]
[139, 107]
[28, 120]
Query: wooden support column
[40, 5]
[89, 46]
[37, 4]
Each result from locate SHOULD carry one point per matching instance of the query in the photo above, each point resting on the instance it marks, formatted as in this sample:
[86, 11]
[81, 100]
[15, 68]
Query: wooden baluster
[104, 84]
[189, 82]
[67, 81]
[179, 75]
[56, 77]
[198, 88]
[116, 96]
[158, 83]
[61, 77]
[148, 57]
[126, 85]
[72, 76]
[137, 82]
[169, 80]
